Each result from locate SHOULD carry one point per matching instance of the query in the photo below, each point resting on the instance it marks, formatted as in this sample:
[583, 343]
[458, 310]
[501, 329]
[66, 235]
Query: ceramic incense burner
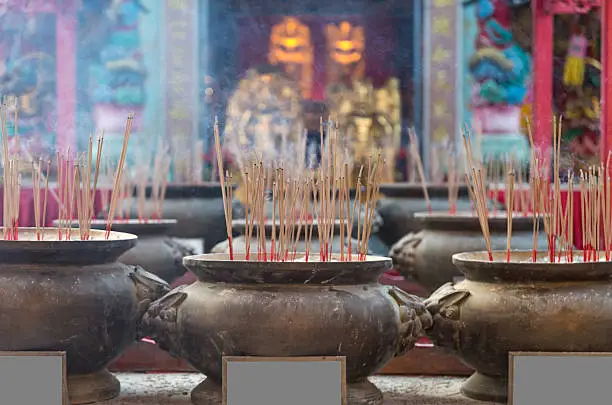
[74, 296]
[520, 306]
[400, 201]
[426, 256]
[285, 309]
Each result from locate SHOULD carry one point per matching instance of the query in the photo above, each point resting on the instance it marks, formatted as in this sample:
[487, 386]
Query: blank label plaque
[544, 378]
[33, 378]
[284, 380]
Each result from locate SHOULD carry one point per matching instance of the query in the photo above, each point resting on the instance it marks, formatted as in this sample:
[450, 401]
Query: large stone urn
[74, 296]
[426, 255]
[520, 306]
[400, 201]
[286, 309]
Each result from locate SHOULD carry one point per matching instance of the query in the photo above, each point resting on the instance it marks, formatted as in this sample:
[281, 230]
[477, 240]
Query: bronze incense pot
[154, 251]
[520, 306]
[74, 296]
[400, 201]
[426, 256]
[198, 210]
[285, 309]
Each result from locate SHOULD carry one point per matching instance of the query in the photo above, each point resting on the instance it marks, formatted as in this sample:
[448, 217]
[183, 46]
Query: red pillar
[606, 87]
[542, 76]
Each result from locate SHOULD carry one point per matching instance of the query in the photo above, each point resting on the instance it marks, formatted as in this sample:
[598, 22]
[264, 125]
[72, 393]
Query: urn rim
[477, 267]
[98, 250]
[415, 190]
[238, 225]
[131, 226]
[466, 220]
[178, 191]
[217, 267]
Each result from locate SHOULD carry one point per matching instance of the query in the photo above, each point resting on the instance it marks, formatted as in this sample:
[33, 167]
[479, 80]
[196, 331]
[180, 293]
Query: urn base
[358, 393]
[91, 388]
[486, 388]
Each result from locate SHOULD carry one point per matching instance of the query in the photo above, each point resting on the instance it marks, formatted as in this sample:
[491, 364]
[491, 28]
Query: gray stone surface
[174, 389]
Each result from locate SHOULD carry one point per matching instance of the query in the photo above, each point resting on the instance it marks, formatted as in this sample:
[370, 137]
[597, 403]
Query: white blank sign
[284, 380]
[545, 378]
[33, 378]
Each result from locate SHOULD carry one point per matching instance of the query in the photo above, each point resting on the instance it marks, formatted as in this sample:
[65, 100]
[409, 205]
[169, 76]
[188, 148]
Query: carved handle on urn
[445, 307]
[160, 321]
[179, 250]
[414, 318]
[403, 253]
[148, 288]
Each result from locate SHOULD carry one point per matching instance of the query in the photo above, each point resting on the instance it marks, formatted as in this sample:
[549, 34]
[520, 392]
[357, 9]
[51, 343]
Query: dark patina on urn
[520, 306]
[74, 296]
[426, 256]
[286, 309]
[400, 201]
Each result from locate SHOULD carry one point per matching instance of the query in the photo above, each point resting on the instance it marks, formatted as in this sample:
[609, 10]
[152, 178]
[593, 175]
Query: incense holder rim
[465, 220]
[131, 226]
[477, 267]
[217, 267]
[415, 190]
[239, 225]
[176, 191]
[64, 252]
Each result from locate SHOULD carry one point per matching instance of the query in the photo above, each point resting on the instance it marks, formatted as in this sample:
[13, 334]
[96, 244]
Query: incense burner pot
[198, 210]
[426, 256]
[400, 201]
[154, 251]
[74, 296]
[519, 306]
[286, 309]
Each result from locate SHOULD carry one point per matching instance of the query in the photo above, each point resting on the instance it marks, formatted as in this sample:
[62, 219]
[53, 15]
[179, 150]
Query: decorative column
[543, 20]
[181, 83]
[606, 89]
[440, 124]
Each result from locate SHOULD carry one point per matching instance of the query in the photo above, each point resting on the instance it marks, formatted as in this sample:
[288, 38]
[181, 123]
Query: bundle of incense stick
[159, 181]
[78, 183]
[119, 172]
[12, 180]
[292, 193]
[475, 182]
[37, 180]
[453, 174]
[414, 150]
[187, 167]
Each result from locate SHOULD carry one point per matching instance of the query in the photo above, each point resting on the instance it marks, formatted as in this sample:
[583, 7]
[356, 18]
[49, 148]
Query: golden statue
[368, 119]
[345, 48]
[291, 47]
[264, 116]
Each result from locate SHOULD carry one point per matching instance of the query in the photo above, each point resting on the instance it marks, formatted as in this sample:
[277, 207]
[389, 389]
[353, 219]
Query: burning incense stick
[417, 157]
[114, 195]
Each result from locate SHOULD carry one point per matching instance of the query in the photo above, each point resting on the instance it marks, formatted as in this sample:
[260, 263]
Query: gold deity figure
[291, 47]
[345, 52]
[369, 119]
[264, 116]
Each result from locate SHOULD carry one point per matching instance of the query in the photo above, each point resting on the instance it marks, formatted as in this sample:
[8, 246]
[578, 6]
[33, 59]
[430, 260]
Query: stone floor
[174, 389]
